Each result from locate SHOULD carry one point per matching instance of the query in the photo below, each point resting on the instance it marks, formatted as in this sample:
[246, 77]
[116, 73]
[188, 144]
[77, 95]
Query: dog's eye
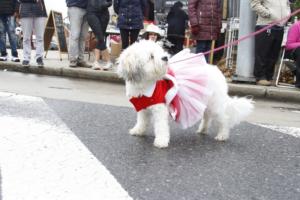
[165, 58]
[151, 56]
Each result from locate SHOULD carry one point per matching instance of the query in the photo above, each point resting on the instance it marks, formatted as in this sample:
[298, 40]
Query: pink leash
[244, 37]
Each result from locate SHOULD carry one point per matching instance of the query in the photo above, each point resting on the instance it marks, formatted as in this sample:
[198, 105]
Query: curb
[235, 89]
[64, 71]
[265, 92]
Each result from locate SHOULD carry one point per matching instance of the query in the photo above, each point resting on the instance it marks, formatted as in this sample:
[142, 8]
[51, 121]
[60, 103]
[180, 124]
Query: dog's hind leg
[141, 123]
[204, 124]
[160, 115]
[224, 127]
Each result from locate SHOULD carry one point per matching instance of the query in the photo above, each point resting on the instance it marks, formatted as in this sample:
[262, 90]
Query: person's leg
[203, 46]
[296, 57]
[76, 20]
[84, 30]
[134, 34]
[125, 38]
[27, 25]
[3, 56]
[297, 83]
[179, 44]
[39, 29]
[11, 31]
[172, 49]
[274, 52]
[263, 43]
[95, 24]
[104, 18]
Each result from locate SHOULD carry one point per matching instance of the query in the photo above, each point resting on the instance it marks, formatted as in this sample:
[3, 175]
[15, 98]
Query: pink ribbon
[244, 37]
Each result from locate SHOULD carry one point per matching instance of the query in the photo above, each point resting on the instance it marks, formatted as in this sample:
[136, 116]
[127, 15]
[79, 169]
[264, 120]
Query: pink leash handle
[244, 37]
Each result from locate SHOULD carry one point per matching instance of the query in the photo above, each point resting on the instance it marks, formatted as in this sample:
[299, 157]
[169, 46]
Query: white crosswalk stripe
[293, 131]
[44, 160]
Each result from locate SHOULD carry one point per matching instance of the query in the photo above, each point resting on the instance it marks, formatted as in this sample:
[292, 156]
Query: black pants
[267, 49]
[177, 44]
[295, 55]
[98, 23]
[128, 36]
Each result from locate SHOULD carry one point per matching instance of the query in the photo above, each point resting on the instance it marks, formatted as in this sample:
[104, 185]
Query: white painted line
[44, 161]
[293, 131]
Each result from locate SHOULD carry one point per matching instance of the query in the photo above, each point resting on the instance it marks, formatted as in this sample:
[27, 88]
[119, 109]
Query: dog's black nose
[165, 58]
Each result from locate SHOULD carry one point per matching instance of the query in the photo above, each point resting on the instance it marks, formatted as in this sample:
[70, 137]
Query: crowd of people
[203, 19]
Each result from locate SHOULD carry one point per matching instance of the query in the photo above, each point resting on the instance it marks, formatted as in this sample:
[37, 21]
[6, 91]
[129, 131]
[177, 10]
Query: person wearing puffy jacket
[33, 20]
[130, 19]
[268, 43]
[98, 18]
[78, 32]
[206, 22]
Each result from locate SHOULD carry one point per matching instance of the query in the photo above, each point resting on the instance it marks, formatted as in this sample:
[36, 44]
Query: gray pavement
[254, 164]
[57, 149]
[56, 67]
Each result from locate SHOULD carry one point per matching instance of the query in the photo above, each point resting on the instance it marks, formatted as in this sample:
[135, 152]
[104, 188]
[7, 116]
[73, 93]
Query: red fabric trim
[158, 96]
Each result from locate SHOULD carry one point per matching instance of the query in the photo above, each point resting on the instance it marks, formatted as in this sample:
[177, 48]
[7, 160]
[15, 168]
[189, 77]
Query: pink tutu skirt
[188, 98]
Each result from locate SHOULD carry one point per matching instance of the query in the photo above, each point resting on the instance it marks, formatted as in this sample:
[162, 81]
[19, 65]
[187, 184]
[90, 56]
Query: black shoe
[25, 63]
[40, 62]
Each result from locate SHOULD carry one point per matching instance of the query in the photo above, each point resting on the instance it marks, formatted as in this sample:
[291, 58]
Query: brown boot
[263, 82]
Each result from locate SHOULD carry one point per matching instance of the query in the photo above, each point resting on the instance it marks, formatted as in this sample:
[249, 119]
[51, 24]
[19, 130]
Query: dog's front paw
[161, 142]
[136, 131]
[222, 137]
[202, 129]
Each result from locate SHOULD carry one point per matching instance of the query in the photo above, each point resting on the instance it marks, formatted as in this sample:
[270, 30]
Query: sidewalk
[55, 67]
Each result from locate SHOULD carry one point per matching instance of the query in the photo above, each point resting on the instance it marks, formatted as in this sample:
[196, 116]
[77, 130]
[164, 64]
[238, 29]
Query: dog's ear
[130, 69]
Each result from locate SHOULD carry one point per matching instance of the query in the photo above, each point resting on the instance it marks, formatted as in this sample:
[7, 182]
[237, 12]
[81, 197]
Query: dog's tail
[238, 109]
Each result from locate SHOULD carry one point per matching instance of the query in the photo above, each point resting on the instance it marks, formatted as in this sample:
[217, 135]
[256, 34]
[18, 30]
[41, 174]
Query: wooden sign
[55, 26]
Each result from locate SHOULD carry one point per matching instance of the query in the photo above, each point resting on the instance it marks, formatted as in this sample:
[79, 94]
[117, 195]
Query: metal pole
[211, 56]
[245, 54]
[225, 8]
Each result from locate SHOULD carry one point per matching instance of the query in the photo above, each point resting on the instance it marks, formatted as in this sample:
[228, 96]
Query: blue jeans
[8, 25]
[203, 46]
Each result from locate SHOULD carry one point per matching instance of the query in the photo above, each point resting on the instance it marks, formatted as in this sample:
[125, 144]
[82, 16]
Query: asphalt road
[256, 163]
[63, 149]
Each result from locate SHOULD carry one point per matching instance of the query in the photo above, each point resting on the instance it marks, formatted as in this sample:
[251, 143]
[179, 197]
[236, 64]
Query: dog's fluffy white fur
[141, 65]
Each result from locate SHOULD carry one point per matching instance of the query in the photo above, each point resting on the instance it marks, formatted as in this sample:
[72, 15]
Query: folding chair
[285, 63]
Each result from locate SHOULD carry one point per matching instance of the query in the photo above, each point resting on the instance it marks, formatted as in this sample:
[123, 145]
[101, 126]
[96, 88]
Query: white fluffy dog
[145, 63]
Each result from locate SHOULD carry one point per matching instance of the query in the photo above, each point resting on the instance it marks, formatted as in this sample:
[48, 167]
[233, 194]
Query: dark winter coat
[207, 14]
[8, 7]
[96, 6]
[130, 13]
[177, 21]
[32, 8]
[77, 3]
